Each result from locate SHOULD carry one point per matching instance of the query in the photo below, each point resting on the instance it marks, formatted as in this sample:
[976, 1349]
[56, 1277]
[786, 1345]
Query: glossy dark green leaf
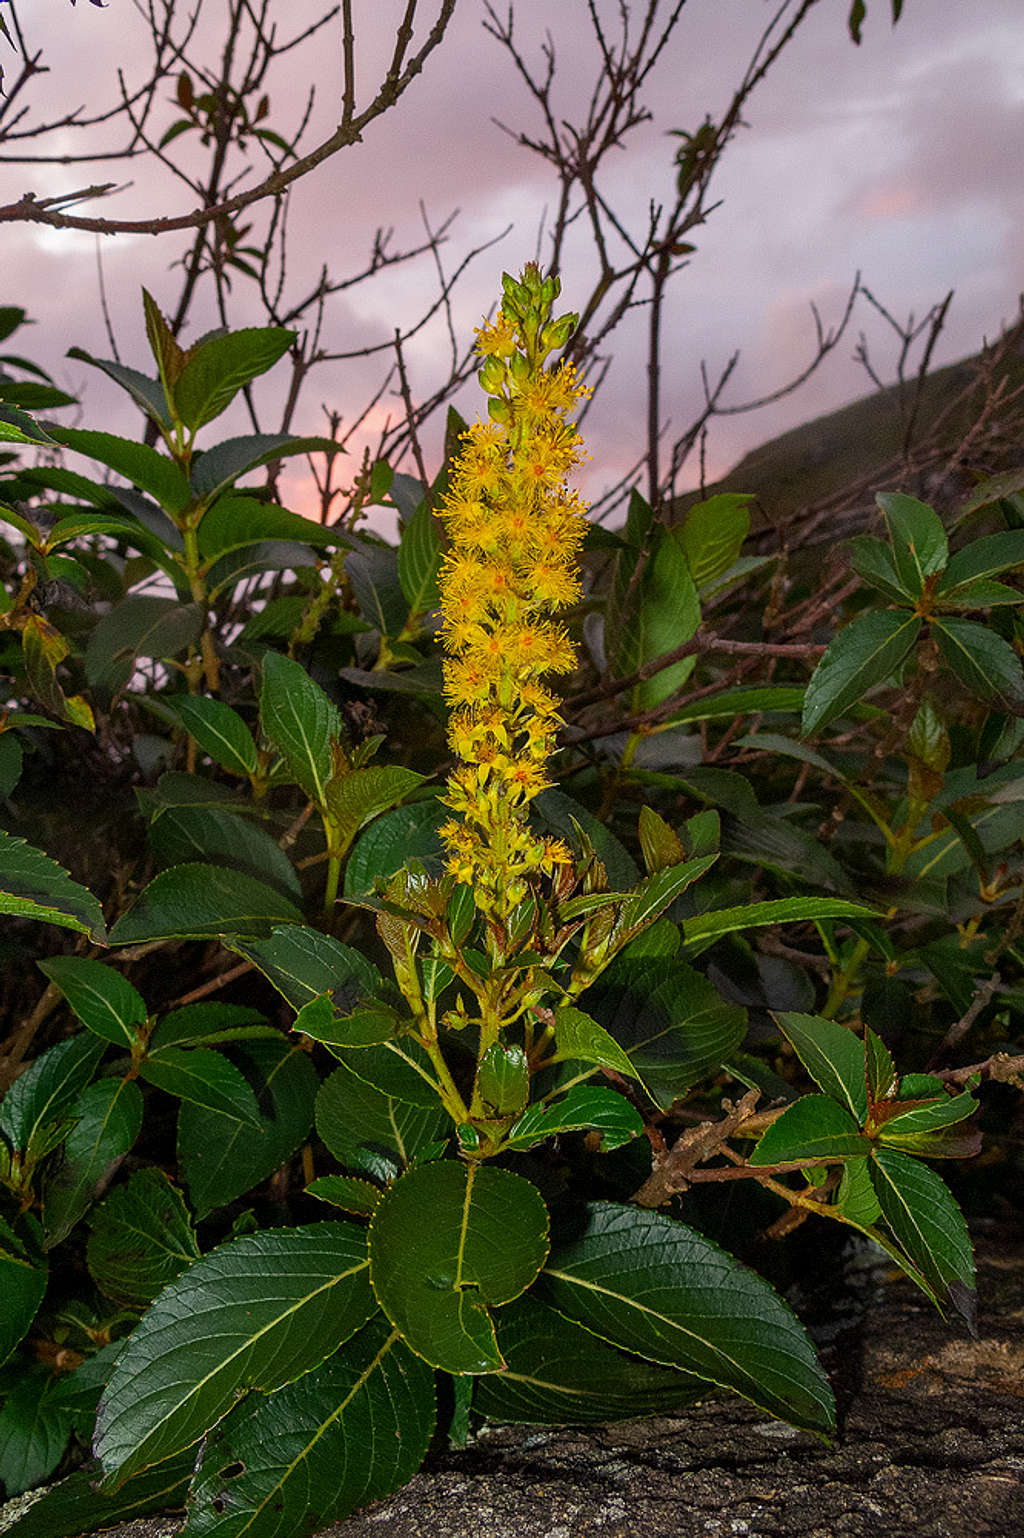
[108, 1119]
[578, 1036]
[219, 366]
[137, 462]
[704, 928]
[712, 534]
[141, 625]
[645, 1283]
[47, 1089]
[202, 1077]
[660, 844]
[235, 521]
[747, 700]
[254, 1313]
[222, 463]
[366, 1130]
[361, 1028]
[356, 798]
[832, 1055]
[928, 1115]
[75, 1504]
[873, 562]
[479, 1235]
[983, 558]
[560, 1374]
[419, 560]
[102, 998]
[303, 963]
[919, 544]
[372, 570]
[200, 902]
[503, 1079]
[399, 1069]
[219, 731]
[23, 1277]
[920, 1211]
[813, 1127]
[856, 1198]
[347, 1192]
[189, 833]
[144, 390]
[220, 1157]
[982, 660]
[586, 1108]
[247, 561]
[980, 595]
[350, 1432]
[299, 720]
[34, 1432]
[658, 891]
[407, 832]
[141, 1238]
[33, 886]
[209, 1024]
[865, 652]
[882, 1078]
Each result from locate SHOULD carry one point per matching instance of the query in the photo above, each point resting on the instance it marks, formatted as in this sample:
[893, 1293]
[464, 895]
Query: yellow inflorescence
[515, 530]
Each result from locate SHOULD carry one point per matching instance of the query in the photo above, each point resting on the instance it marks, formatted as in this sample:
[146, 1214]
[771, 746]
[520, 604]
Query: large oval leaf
[864, 653]
[367, 1130]
[35, 887]
[195, 901]
[447, 1240]
[350, 1432]
[104, 1000]
[650, 1285]
[254, 1313]
[300, 721]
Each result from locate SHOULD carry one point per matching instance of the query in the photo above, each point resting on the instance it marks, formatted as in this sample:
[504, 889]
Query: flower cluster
[515, 528]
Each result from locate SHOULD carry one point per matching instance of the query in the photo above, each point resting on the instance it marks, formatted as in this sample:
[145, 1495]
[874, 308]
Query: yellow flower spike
[515, 529]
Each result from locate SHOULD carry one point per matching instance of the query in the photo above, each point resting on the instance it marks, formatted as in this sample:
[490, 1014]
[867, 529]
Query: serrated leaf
[579, 1037]
[34, 886]
[560, 1374]
[356, 798]
[648, 1284]
[813, 1127]
[108, 1119]
[141, 1238]
[202, 1077]
[46, 1090]
[873, 562]
[234, 522]
[219, 731]
[366, 1130]
[747, 700]
[480, 1236]
[919, 544]
[419, 559]
[141, 625]
[400, 1069]
[222, 464]
[300, 721]
[560, 814]
[347, 1192]
[832, 1055]
[656, 892]
[23, 1278]
[408, 832]
[303, 963]
[926, 1221]
[659, 845]
[503, 1079]
[137, 462]
[586, 1108]
[144, 391]
[704, 928]
[208, 1024]
[880, 1070]
[865, 652]
[201, 901]
[856, 1198]
[372, 570]
[983, 661]
[219, 1157]
[350, 1432]
[217, 368]
[102, 998]
[74, 1504]
[926, 1116]
[219, 1329]
[34, 1432]
[361, 1028]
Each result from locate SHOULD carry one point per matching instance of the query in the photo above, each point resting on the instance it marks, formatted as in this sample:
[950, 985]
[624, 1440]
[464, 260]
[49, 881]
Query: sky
[900, 159]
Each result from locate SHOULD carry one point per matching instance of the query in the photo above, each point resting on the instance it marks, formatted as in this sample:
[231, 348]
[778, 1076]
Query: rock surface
[931, 1446]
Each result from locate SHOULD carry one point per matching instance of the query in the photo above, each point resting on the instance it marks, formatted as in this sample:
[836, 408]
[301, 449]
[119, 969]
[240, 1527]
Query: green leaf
[832, 1055]
[233, 522]
[350, 1432]
[220, 1158]
[671, 1021]
[560, 814]
[704, 928]
[712, 534]
[220, 465]
[18, 427]
[503, 1079]
[240, 565]
[926, 1221]
[200, 901]
[747, 700]
[187, 833]
[872, 560]
[141, 625]
[75, 1505]
[660, 846]
[346, 1192]
[919, 544]
[944, 1111]
[44, 1093]
[361, 1028]
[217, 368]
[865, 652]
[983, 661]
[372, 570]
[650, 1285]
[560, 1374]
[855, 1198]
[208, 1024]
[202, 1077]
[813, 1127]
[219, 1329]
[584, 1109]
[366, 1130]
[34, 1432]
[144, 390]
[994, 489]
[219, 731]
[401, 1070]
[103, 999]
[11, 763]
[419, 559]
[35, 887]
[656, 892]
[299, 721]
[980, 595]
[141, 1238]
[880, 1070]
[108, 1119]
[409, 832]
[579, 1037]
[23, 1277]
[303, 963]
[355, 798]
[665, 612]
[137, 462]
[479, 1236]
